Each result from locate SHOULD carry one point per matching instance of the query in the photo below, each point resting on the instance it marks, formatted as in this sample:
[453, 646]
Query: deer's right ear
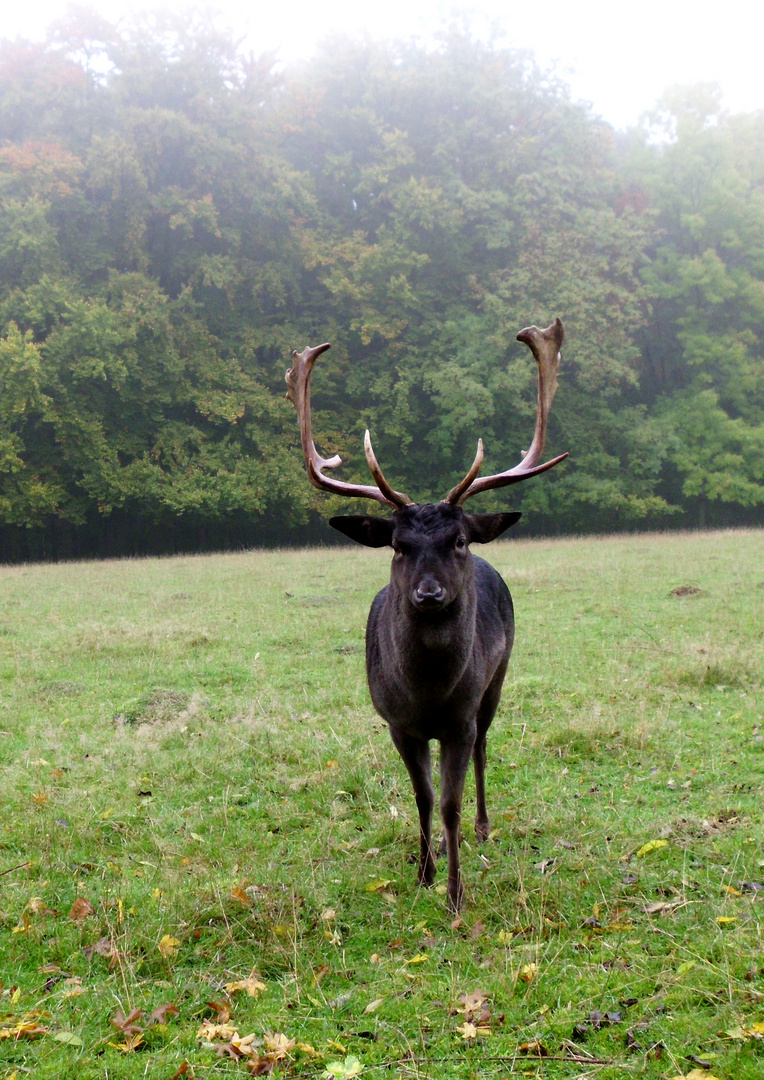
[370, 531]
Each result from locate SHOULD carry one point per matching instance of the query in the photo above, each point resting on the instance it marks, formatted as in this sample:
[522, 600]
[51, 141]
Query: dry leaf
[533, 1048]
[278, 1045]
[528, 972]
[252, 985]
[244, 898]
[81, 909]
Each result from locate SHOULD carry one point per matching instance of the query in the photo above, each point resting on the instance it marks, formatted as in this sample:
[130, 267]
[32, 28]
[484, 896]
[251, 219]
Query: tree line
[178, 215]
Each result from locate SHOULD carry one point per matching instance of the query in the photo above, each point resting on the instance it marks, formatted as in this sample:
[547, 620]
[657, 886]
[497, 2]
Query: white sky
[620, 57]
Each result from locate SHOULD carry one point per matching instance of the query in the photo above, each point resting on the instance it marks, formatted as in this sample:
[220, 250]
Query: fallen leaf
[168, 946]
[343, 1070]
[653, 845]
[244, 898]
[420, 958]
[278, 1045]
[129, 1024]
[132, 1042]
[252, 985]
[161, 1012]
[533, 1049]
[26, 1028]
[378, 884]
[696, 1074]
[373, 1006]
[81, 909]
[528, 972]
[210, 1031]
[68, 1037]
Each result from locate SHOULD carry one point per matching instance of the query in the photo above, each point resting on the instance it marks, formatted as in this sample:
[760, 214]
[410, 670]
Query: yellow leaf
[332, 764]
[696, 1074]
[420, 958]
[378, 884]
[468, 1030]
[653, 845]
[209, 1031]
[733, 892]
[252, 985]
[132, 1042]
[528, 972]
[168, 946]
[373, 1006]
[724, 919]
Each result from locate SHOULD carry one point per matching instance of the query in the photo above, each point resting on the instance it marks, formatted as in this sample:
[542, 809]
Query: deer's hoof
[427, 874]
[455, 898]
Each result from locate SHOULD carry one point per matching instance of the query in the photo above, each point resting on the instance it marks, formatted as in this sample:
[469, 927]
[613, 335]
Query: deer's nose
[429, 594]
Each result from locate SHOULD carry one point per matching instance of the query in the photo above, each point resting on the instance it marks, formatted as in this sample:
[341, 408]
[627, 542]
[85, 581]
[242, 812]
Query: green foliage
[177, 217]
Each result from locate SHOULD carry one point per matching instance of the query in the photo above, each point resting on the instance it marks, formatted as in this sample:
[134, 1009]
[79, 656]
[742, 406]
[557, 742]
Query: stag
[439, 636]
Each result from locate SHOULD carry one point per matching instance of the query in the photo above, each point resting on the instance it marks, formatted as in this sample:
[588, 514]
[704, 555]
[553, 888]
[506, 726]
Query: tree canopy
[177, 216]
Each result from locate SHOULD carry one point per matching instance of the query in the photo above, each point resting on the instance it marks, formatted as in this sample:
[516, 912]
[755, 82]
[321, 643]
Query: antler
[298, 382]
[545, 346]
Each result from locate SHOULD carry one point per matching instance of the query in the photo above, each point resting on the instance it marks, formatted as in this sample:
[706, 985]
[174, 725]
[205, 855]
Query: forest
[178, 215]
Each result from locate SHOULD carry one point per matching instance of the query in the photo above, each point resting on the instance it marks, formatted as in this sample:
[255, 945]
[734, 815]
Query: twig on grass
[21, 866]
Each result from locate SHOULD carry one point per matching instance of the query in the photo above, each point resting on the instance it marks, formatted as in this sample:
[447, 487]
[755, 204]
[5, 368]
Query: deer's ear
[370, 531]
[486, 527]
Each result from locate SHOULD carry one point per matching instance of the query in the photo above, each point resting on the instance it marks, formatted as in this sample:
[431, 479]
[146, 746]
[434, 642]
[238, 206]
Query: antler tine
[298, 392]
[456, 494]
[545, 346]
[395, 498]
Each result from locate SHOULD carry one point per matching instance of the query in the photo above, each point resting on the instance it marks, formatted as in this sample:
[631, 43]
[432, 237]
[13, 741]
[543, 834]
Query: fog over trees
[178, 216]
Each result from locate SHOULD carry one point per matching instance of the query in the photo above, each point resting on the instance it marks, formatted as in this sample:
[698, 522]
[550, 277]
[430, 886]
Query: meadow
[208, 841]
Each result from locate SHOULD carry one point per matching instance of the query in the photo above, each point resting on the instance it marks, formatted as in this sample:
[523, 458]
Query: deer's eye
[461, 543]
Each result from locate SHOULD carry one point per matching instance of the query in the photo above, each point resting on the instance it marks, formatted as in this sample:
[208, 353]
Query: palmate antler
[298, 381]
[545, 346]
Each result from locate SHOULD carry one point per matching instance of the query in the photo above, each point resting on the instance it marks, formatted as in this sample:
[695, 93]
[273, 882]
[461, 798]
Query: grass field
[207, 841]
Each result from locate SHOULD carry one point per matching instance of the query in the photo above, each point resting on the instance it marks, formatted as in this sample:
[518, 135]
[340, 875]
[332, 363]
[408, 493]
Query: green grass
[188, 745]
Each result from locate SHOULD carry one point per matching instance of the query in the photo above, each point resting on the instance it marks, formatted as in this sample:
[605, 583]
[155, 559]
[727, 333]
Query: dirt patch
[687, 590]
[160, 707]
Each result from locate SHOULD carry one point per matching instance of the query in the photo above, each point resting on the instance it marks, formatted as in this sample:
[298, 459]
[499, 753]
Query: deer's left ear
[365, 529]
[486, 527]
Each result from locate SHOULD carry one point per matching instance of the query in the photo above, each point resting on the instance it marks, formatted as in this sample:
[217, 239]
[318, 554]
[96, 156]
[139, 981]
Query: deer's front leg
[455, 757]
[416, 758]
